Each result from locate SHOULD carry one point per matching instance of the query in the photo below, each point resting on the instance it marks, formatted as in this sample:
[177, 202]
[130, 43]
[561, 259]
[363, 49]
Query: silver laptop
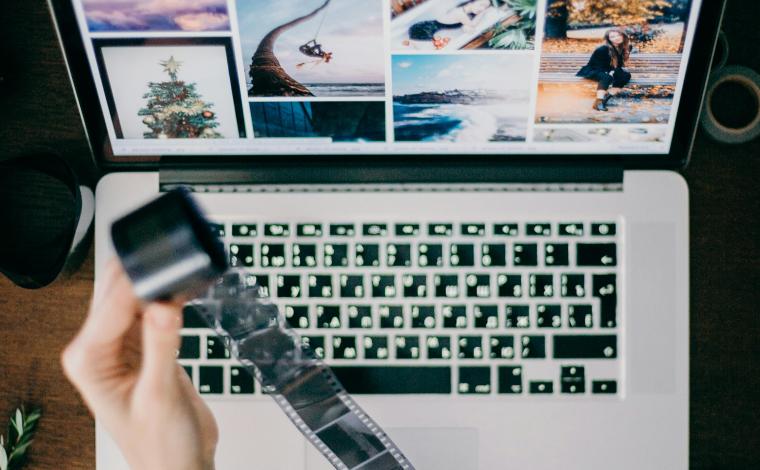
[469, 209]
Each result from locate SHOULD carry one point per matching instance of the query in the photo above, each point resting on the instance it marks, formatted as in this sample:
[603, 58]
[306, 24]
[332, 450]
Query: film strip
[301, 384]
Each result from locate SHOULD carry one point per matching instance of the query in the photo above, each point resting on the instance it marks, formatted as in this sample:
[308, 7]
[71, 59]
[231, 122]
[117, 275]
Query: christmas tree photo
[175, 110]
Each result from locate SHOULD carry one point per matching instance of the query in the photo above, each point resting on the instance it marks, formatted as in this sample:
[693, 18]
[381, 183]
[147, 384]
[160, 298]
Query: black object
[168, 249]
[40, 206]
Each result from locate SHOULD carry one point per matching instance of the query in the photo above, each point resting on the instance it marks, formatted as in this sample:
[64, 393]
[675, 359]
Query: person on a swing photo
[607, 67]
[314, 49]
[466, 15]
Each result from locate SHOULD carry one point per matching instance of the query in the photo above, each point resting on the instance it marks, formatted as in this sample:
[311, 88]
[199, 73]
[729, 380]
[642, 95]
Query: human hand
[123, 362]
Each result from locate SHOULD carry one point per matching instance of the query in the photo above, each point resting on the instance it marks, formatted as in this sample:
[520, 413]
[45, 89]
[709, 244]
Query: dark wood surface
[37, 109]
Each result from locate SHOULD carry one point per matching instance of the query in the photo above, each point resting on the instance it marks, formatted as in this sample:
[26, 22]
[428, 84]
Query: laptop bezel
[687, 118]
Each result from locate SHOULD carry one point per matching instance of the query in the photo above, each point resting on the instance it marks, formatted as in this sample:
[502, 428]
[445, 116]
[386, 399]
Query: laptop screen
[327, 77]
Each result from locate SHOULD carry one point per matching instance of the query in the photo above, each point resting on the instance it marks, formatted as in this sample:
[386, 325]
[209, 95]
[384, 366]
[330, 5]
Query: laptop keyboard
[513, 308]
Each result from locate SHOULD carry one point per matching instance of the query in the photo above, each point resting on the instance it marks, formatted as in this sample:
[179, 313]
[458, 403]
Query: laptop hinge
[324, 177]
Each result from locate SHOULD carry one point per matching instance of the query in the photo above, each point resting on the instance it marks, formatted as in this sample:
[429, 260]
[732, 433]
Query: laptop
[491, 250]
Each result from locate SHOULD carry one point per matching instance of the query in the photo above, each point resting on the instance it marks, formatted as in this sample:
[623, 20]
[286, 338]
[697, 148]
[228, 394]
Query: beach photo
[353, 121]
[156, 15]
[461, 98]
[606, 61]
[171, 89]
[446, 25]
[322, 48]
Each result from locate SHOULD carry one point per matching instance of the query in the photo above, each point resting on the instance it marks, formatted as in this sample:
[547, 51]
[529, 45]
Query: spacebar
[394, 379]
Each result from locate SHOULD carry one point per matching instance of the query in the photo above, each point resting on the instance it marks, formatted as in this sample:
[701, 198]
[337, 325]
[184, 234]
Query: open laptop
[496, 268]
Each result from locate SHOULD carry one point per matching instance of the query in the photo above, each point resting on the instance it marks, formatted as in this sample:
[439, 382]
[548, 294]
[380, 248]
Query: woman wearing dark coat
[606, 66]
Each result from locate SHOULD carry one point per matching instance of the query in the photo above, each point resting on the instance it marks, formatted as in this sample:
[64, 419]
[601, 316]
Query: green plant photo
[14, 445]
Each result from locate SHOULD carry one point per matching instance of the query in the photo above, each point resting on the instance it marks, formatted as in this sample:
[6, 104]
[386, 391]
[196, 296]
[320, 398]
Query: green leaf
[3, 458]
[19, 422]
[18, 452]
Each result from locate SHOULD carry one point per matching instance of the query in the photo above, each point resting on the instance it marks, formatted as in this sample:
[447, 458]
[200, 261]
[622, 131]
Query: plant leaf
[3, 458]
[18, 452]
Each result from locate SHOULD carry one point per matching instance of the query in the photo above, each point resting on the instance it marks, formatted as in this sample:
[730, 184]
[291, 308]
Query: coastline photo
[461, 98]
[156, 15]
[446, 25]
[605, 61]
[322, 48]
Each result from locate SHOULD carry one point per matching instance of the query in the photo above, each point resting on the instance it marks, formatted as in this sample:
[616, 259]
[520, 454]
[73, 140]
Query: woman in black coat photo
[606, 66]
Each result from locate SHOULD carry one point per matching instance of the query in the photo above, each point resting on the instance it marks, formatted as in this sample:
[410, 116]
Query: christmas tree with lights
[175, 110]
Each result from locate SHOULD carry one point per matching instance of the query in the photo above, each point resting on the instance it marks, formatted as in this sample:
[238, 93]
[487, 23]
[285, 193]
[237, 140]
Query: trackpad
[426, 448]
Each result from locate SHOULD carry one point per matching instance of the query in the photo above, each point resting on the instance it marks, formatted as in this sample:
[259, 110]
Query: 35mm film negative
[169, 252]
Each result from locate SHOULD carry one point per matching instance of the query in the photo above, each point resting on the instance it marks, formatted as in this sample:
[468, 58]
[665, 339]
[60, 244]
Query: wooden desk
[725, 330]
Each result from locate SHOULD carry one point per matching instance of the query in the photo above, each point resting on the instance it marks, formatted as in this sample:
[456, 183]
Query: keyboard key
[391, 316]
[320, 285]
[383, 285]
[603, 230]
[604, 287]
[571, 230]
[541, 285]
[367, 254]
[336, 255]
[328, 316]
[493, 254]
[510, 379]
[473, 230]
[604, 386]
[351, 286]
[216, 348]
[440, 230]
[241, 382]
[342, 230]
[438, 347]
[316, 344]
[304, 255]
[189, 348]
[572, 379]
[415, 285]
[272, 255]
[541, 386]
[556, 254]
[454, 316]
[478, 285]
[423, 316]
[394, 380]
[344, 347]
[309, 230]
[430, 254]
[211, 379]
[375, 230]
[277, 230]
[509, 285]
[596, 254]
[241, 256]
[470, 347]
[375, 347]
[191, 318]
[517, 316]
[446, 285]
[585, 347]
[398, 255]
[486, 316]
[407, 347]
[244, 230]
[360, 316]
[462, 254]
[218, 230]
[580, 316]
[506, 230]
[573, 285]
[538, 230]
[227, 286]
[533, 347]
[259, 282]
[474, 380]
[502, 347]
[407, 230]
[288, 286]
[549, 316]
[297, 316]
[525, 254]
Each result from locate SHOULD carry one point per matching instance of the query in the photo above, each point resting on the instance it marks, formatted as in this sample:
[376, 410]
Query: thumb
[161, 324]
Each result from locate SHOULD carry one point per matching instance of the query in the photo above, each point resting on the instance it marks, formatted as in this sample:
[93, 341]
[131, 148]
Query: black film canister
[168, 248]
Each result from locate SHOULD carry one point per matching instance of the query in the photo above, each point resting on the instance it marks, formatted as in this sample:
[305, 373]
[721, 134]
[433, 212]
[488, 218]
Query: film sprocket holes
[169, 252]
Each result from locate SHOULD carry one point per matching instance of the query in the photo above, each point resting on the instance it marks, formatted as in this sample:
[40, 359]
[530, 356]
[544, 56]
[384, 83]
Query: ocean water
[460, 123]
[346, 89]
